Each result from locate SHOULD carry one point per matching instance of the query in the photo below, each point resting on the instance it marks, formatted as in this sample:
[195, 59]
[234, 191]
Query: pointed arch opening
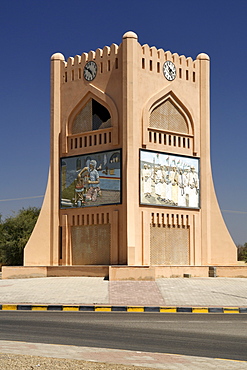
[92, 123]
[168, 117]
[93, 116]
[168, 124]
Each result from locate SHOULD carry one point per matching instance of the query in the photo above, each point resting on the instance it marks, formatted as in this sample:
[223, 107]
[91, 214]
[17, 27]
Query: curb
[106, 308]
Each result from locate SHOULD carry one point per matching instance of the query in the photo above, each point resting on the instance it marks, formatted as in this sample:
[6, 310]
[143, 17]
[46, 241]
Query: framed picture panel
[90, 180]
[169, 180]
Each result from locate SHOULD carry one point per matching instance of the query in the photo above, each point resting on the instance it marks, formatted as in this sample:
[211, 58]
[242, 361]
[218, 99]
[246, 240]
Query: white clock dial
[169, 70]
[90, 71]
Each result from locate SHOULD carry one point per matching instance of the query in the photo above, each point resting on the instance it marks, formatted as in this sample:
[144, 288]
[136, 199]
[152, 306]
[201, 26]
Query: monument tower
[130, 182]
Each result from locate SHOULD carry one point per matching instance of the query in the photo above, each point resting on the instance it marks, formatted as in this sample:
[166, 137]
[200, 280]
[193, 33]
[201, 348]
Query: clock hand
[89, 70]
[170, 70]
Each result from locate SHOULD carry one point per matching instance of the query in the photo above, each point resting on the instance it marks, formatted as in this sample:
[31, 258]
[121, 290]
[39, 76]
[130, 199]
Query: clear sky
[33, 30]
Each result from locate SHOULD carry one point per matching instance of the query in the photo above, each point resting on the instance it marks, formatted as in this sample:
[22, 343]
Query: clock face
[90, 71]
[169, 70]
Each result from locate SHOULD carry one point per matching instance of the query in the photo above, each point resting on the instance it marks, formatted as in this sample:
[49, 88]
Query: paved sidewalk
[114, 356]
[183, 292]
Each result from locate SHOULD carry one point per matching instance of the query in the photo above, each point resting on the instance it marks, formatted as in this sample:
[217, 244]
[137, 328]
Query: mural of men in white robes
[193, 187]
[147, 181]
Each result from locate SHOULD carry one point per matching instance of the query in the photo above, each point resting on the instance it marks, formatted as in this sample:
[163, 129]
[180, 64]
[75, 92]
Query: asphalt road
[207, 335]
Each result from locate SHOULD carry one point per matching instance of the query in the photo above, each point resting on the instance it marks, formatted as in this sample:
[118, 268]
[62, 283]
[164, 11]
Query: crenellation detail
[175, 58]
[105, 58]
[160, 53]
[106, 51]
[98, 53]
[153, 58]
[84, 58]
[189, 62]
[152, 61]
[91, 55]
[114, 49]
[70, 62]
[168, 55]
[145, 50]
[77, 60]
[182, 60]
[153, 51]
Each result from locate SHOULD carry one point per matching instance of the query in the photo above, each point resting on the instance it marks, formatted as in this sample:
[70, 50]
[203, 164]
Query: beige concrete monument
[130, 190]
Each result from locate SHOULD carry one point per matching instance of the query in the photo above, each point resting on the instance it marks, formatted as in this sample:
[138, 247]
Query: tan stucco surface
[130, 84]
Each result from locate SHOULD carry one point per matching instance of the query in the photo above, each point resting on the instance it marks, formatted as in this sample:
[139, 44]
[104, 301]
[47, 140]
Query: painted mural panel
[169, 180]
[91, 180]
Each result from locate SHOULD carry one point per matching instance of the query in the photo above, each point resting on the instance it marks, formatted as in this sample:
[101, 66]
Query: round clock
[169, 70]
[90, 71]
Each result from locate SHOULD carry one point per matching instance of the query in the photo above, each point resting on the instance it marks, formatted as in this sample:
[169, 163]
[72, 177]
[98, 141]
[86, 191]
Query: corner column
[205, 167]
[129, 140]
[57, 63]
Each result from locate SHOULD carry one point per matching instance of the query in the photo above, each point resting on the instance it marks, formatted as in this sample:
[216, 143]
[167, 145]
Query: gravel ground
[23, 362]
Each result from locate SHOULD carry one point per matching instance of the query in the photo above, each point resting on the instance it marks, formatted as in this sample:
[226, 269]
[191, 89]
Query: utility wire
[230, 211]
[7, 200]
[41, 196]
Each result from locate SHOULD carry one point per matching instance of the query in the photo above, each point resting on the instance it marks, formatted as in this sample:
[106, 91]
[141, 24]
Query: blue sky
[33, 30]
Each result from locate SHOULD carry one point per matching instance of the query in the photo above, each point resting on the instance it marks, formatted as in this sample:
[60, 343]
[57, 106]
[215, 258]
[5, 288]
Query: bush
[242, 252]
[14, 234]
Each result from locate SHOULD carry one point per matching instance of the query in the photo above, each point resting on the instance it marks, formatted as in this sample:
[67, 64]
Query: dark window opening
[93, 116]
[100, 114]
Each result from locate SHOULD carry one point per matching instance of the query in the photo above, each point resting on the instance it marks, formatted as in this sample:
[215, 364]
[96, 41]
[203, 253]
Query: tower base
[134, 273]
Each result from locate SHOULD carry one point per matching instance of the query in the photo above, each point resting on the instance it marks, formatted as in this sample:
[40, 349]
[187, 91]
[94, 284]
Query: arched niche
[93, 116]
[107, 118]
[166, 113]
[168, 116]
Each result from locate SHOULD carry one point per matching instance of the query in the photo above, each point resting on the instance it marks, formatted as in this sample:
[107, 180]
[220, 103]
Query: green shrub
[242, 252]
[14, 234]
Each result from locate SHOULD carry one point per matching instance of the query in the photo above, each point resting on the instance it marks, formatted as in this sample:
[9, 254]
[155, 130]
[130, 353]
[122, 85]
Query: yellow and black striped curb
[106, 308]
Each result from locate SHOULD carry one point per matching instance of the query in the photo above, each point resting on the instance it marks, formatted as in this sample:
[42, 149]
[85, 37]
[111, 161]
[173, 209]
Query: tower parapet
[153, 59]
[106, 60]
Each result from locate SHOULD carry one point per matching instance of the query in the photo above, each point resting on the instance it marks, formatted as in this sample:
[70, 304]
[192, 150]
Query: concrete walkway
[115, 356]
[192, 292]
[195, 292]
